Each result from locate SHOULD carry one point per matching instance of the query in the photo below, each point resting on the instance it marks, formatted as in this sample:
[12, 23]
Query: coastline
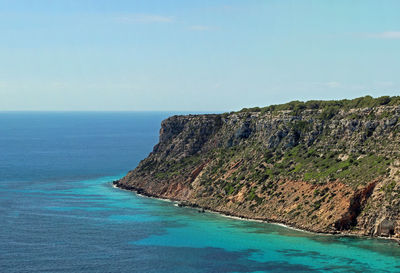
[180, 203]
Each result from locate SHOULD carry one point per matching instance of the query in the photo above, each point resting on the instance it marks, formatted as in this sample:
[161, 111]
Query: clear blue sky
[195, 55]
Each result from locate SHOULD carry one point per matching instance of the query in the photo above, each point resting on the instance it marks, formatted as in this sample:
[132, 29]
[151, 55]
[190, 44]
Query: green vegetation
[388, 188]
[176, 168]
[304, 164]
[298, 163]
[329, 107]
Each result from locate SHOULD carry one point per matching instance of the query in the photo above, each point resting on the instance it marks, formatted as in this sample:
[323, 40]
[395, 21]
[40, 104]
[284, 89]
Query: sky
[198, 55]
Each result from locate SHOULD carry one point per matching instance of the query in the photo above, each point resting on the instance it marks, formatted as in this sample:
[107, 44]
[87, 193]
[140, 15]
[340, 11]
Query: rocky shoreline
[201, 209]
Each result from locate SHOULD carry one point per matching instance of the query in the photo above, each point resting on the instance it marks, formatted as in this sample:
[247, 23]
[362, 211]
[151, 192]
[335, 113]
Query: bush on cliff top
[333, 105]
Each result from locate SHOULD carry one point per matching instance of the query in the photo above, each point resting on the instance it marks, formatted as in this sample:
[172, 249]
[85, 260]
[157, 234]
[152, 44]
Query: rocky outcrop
[322, 169]
[356, 205]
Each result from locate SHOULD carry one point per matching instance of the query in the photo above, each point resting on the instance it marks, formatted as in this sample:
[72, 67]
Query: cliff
[324, 166]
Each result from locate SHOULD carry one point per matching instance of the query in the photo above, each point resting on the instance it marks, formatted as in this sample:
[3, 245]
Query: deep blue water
[59, 212]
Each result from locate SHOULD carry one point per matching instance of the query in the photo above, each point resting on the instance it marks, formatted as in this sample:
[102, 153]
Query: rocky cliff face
[315, 169]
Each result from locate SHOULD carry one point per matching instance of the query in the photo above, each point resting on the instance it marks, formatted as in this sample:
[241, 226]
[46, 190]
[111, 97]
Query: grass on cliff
[313, 166]
[298, 163]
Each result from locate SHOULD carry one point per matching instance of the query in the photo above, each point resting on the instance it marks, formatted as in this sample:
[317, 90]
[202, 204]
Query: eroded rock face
[193, 132]
[385, 228]
[337, 174]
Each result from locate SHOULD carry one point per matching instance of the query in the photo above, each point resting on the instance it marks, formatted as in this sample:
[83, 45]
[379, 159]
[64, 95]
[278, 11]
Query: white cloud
[3, 84]
[333, 84]
[144, 18]
[201, 28]
[217, 85]
[384, 35]
[58, 84]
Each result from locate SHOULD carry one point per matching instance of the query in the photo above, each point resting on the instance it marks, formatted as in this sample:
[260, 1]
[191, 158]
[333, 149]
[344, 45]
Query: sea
[60, 213]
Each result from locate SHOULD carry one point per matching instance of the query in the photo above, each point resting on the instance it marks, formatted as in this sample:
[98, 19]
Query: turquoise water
[60, 213]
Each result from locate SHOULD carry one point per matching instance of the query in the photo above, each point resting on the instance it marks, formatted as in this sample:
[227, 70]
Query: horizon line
[114, 111]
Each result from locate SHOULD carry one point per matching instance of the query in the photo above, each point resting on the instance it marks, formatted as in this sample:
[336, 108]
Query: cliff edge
[323, 166]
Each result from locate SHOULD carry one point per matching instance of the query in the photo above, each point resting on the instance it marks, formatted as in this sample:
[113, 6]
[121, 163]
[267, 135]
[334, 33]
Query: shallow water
[60, 213]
